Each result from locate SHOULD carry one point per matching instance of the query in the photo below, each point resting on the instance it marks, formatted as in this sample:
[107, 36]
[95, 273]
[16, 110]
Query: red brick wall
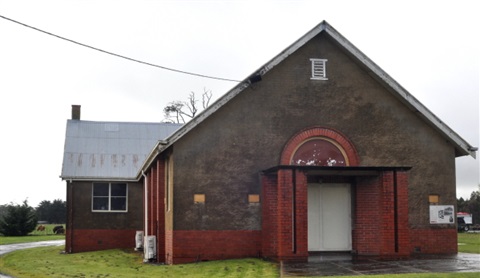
[69, 224]
[160, 210]
[285, 234]
[387, 215]
[381, 216]
[192, 246]
[156, 206]
[403, 230]
[366, 232]
[149, 200]
[81, 219]
[434, 241]
[301, 209]
[94, 240]
[284, 210]
[152, 204]
[269, 216]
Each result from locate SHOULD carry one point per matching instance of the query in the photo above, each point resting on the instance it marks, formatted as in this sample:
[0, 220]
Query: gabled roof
[109, 150]
[461, 146]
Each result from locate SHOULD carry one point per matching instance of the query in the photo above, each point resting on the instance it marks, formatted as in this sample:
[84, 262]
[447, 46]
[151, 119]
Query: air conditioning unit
[150, 250]
[139, 240]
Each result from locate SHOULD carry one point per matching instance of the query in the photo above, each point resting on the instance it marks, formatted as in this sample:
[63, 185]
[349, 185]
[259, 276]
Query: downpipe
[145, 233]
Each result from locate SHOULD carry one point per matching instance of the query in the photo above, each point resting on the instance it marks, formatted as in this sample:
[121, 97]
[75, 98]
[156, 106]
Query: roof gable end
[462, 147]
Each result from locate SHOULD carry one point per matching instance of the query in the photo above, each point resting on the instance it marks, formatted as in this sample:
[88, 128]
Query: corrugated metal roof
[109, 150]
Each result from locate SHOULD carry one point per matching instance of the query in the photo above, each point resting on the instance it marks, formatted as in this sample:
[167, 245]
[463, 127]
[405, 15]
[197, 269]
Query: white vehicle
[464, 220]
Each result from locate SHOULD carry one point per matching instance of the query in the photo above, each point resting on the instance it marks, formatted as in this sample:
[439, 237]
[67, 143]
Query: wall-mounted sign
[442, 215]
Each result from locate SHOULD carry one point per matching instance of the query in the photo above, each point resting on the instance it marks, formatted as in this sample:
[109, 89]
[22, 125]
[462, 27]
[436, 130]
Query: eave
[109, 179]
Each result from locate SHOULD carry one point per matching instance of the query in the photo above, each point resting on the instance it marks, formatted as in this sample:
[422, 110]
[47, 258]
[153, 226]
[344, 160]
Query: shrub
[19, 220]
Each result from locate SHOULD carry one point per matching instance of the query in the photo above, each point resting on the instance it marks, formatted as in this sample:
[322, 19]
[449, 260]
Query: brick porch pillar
[284, 225]
[381, 216]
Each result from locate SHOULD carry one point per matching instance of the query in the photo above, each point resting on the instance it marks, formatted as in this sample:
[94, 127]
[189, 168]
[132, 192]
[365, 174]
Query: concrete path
[344, 265]
[18, 246]
[4, 249]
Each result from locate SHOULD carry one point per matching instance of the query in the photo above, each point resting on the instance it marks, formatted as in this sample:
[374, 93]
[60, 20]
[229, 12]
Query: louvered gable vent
[319, 69]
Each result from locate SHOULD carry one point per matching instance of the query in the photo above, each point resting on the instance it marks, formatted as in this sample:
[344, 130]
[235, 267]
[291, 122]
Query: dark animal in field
[58, 230]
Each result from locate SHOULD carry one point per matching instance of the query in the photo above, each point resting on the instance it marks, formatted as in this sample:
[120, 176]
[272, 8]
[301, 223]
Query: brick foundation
[94, 240]
[193, 246]
[434, 241]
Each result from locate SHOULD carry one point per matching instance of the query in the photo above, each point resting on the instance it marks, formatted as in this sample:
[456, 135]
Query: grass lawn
[48, 262]
[47, 234]
[469, 243]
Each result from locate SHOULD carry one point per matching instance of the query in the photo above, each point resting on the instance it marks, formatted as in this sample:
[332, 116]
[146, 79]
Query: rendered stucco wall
[88, 231]
[222, 157]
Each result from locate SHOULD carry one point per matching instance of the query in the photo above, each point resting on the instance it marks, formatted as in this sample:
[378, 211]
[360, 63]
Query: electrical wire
[118, 55]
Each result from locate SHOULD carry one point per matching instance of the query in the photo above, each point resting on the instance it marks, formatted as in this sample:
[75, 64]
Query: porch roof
[338, 170]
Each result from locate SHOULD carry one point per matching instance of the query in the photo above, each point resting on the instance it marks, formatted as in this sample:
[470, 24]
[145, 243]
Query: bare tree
[206, 97]
[177, 111]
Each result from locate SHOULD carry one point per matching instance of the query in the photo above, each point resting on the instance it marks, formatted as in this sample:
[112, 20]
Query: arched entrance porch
[370, 203]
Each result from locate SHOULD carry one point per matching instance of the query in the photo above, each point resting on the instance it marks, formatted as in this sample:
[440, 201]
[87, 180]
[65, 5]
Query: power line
[118, 55]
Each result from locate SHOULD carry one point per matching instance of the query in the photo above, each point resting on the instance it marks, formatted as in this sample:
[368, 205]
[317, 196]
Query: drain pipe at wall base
[145, 183]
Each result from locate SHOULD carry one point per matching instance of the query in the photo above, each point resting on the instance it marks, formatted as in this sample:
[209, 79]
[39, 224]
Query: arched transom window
[319, 151]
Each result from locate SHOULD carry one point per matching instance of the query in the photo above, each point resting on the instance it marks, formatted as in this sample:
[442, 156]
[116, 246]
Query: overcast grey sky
[430, 47]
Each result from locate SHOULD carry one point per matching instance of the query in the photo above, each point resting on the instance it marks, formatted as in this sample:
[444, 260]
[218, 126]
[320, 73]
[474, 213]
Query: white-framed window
[319, 69]
[109, 197]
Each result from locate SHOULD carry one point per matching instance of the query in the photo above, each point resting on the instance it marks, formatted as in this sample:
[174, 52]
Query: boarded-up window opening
[433, 199]
[253, 198]
[199, 198]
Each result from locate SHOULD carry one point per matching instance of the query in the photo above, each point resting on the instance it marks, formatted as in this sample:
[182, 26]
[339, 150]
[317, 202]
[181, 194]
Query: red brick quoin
[320, 132]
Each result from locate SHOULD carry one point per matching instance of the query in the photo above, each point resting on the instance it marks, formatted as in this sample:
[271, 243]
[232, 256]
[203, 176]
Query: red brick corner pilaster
[381, 218]
[284, 216]
[269, 216]
[403, 229]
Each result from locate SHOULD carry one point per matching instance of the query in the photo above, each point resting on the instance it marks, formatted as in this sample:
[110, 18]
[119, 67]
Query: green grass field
[47, 234]
[469, 243]
[49, 262]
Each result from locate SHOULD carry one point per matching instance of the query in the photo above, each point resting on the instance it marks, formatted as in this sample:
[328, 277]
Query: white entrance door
[329, 217]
